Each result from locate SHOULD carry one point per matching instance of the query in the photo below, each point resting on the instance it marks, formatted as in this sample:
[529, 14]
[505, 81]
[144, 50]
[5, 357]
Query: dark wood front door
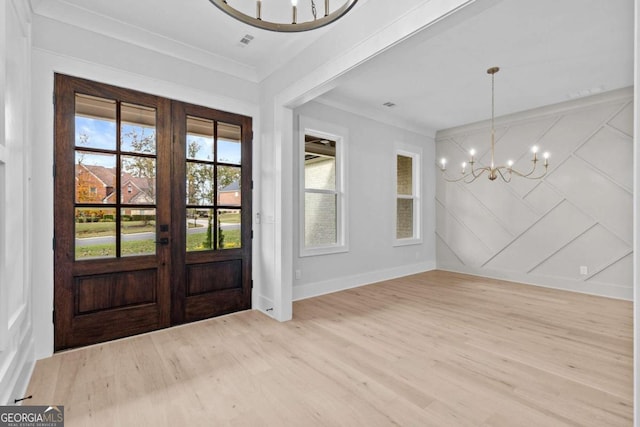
[152, 212]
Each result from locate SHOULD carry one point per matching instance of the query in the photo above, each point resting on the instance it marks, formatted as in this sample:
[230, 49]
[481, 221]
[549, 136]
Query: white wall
[541, 232]
[636, 219]
[78, 52]
[370, 166]
[353, 40]
[16, 332]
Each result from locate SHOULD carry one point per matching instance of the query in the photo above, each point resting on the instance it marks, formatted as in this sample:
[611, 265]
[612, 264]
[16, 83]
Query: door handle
[162, 241]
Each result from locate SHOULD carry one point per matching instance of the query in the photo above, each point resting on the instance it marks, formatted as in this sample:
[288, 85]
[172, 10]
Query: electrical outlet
[584, 270]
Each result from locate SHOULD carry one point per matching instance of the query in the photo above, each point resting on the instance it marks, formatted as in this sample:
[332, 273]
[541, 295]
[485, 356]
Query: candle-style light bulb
[472, 152]
[534, 149]
[294, 6]
[443, 163]
[464, 166]
[546, 158]
[259, 9]
[510, 163]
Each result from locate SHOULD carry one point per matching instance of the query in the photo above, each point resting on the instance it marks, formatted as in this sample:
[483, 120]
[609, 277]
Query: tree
[208, 241]
[199, 178]
[139, 166]
[85, 183]
[220, 235]
[227, 175]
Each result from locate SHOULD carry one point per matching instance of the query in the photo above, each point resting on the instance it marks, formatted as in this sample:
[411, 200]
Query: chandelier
[505, 172]
[257, 21]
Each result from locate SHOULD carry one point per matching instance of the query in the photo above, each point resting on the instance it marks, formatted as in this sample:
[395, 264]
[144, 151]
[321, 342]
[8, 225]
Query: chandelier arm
[482, 171]
[528, 176]
[533, 169]
[505, 179]
[282, 27]
[472, 174]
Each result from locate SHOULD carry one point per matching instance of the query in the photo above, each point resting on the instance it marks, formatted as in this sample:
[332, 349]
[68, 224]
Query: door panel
[212, 211]
[124, 224]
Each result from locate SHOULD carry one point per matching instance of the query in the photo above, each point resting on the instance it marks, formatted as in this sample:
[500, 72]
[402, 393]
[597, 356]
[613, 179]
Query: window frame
[416, 155]
[324, 130]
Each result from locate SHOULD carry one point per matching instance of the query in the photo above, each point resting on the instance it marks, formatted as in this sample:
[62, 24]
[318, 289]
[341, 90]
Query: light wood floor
[435, 349]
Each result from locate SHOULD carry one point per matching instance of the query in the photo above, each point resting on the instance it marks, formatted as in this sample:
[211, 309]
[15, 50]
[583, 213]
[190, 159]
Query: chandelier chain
[493, 129]
[313, 10]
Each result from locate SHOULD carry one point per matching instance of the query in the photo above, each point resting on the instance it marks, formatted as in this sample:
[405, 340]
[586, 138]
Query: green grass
[230, 218]
[195, 241]
[145, 247]
[139, 247]
[101, 229]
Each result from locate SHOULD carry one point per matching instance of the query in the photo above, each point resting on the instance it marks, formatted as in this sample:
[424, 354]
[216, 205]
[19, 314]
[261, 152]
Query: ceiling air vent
[389, 104]
[244, 41]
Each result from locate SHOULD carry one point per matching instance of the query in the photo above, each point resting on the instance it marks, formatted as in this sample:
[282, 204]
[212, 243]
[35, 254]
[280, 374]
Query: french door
[152, 212]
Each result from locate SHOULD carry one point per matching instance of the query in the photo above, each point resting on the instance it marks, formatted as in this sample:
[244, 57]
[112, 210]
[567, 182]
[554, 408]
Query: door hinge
[252, 234]
[53, 316]
[251, 283]
[53, 170]
[53, 98]
[252, 184]
[53, 243]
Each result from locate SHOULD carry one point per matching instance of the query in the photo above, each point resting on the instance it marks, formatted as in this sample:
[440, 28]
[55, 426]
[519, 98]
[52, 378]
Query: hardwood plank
[432, 349]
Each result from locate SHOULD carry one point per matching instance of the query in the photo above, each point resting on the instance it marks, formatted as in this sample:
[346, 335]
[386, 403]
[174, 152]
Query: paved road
[105, 240]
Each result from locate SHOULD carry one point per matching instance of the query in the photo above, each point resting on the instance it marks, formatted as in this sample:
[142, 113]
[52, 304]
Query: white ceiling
[196, 24]
[548, 50]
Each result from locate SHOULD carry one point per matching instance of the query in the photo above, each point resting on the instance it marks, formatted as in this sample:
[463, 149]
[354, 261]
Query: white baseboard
[21, 365]
[315, 289]
[598, 289]
[263, 304]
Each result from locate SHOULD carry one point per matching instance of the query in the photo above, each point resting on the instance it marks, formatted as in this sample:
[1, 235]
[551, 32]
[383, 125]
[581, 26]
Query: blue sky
[102, 134]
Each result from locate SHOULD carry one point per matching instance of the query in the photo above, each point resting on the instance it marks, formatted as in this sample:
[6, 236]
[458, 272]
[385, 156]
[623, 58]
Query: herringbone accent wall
[572, 229]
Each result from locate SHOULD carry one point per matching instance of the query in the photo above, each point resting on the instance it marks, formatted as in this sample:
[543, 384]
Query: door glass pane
[200, 188]
[200, 231]
[229, 190]
[229, 229]
[199, 139]
[405, 175]
[229, 148]
[138, 129]
[320, 219]
[95, 122]
[319, 164]
[404, 226]
[138, 180]
[138, 231]
[95, 177]
[95, 233]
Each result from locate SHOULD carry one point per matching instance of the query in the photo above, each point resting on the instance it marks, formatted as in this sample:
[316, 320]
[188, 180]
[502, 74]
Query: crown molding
[378, 116]
[613, 96]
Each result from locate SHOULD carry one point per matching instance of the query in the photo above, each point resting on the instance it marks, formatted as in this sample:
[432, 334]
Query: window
[115, 147]
[322, 210]
[407, 218]
[213, 172]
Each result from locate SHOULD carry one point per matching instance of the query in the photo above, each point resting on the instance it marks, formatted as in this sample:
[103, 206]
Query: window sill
[406, 242]
[324, 250]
